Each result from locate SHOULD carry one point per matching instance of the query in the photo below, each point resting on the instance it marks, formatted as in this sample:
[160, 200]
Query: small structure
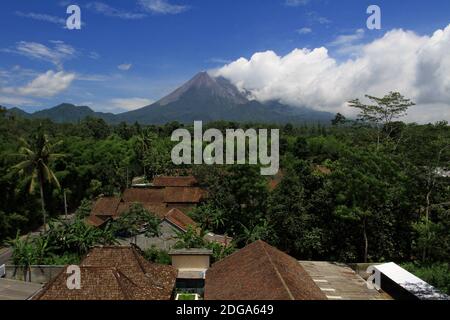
[192, 265]
[140, 182]
[218, 238]
[260, 272]
[103, 210]
[114, 273]
[403, 285]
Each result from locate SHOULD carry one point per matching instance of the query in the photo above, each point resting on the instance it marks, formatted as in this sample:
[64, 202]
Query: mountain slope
[210, 99]
[202, 98]
[64, 113]
[18, 113]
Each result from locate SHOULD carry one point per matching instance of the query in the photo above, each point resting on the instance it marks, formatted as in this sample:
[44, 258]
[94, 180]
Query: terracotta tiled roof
[179, 219]
[170, 192]
[95, 221]
[159, 210]
[260, 272]
[175, 181]
[183, 195]
[115, 273]
[147, 195]
[105, 206]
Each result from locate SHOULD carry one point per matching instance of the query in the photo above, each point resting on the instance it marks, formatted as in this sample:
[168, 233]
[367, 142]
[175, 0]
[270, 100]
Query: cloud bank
[38, 51]
[417, 66]
[162, 7]
[131, 103]
[45, 85]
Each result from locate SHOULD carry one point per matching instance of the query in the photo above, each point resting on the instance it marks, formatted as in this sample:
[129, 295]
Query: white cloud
[109, 11]
[349, 44]
[45, 85]
[34, 50]
[296, 3]
[162, 7]
[42, 17]
[314, 17]
[16, 101]
[94, 55]
[125, 66]
[347, 39]
[131, 103]
[417, 66]
[304, 30]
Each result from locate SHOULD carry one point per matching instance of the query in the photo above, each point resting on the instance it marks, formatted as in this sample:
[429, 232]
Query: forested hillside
[347, 192]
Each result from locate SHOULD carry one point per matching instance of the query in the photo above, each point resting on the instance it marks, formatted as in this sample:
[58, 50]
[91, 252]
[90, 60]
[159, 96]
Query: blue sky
[129, 53]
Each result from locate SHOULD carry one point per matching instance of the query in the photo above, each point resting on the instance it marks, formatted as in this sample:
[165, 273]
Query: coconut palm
[144, 141]
[35, 161]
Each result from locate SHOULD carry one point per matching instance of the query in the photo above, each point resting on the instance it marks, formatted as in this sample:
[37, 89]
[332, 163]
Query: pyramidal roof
[260, 272]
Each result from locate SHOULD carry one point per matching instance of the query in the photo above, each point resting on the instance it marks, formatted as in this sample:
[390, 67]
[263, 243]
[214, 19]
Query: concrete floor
[17, 290]
[340, 282]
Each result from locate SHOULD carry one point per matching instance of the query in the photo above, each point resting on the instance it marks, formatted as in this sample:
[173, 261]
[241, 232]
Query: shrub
[157, 256]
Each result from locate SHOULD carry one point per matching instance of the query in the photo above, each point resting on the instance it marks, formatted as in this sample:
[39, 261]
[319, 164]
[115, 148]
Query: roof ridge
[116, 275]
[144, 271]
[135, 254]
[134, 284]
[291, 296]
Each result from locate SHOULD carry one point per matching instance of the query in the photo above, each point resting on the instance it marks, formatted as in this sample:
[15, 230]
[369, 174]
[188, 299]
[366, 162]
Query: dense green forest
[352, 191]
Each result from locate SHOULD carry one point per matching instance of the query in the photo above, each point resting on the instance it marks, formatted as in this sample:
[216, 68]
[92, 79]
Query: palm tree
[143, 143]
[35, 161]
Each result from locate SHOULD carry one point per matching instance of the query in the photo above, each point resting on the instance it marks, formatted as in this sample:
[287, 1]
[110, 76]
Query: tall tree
[383, 111]
[291, 216]
[35, 164]
[368, 189]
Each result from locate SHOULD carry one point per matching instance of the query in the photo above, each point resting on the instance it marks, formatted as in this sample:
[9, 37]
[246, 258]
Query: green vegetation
[437, 274]
[186, 296]
[136, 220]
[195, 238]
[34, 164]
[353, 191]
[157, 256]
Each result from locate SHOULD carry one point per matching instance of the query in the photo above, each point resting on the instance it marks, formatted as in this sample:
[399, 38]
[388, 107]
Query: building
[403, 285]
[191, 265]
[168, 198]
[103, 210]
[162, 181]
[260, 272]
[114, 273]
[165, 194]
[174, 222]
